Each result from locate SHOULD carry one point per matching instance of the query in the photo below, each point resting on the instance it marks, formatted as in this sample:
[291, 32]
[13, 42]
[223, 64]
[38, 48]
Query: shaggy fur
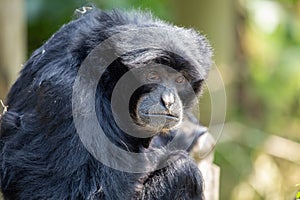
[42, 157]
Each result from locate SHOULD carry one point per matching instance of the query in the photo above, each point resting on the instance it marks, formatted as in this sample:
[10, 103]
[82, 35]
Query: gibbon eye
[180, 79]
[153, 76]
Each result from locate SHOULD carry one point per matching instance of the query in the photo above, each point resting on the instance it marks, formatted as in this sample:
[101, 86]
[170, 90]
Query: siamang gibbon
[142, 101]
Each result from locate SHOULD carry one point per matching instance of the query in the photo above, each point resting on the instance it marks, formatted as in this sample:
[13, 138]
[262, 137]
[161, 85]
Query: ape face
[161, 89]
[157, 104]
[150, 95]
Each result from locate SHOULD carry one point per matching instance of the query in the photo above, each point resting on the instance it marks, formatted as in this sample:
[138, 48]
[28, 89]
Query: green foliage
[274, 71]
[268, 94]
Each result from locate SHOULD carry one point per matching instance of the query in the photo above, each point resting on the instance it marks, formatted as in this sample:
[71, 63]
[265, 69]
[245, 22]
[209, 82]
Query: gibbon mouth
[165, 115]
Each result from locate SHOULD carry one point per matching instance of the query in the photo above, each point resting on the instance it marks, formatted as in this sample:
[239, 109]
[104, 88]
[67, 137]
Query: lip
[168, 116]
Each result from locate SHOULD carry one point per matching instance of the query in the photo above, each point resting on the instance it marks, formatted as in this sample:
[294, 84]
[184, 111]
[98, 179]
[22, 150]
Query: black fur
[42, 157]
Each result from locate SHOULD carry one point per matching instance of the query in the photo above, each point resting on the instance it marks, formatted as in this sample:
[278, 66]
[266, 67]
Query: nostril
[168, 99]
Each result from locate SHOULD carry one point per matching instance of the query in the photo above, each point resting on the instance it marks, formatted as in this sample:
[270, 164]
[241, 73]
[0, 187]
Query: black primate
[42, 157]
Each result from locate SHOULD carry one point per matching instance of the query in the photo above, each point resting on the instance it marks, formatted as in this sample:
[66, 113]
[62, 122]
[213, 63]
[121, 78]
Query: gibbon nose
[168, 99]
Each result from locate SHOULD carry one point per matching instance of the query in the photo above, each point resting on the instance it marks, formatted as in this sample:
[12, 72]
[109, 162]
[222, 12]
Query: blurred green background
[257, 52]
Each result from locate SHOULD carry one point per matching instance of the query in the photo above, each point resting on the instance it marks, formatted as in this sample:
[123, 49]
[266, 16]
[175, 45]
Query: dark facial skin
[158, 106]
